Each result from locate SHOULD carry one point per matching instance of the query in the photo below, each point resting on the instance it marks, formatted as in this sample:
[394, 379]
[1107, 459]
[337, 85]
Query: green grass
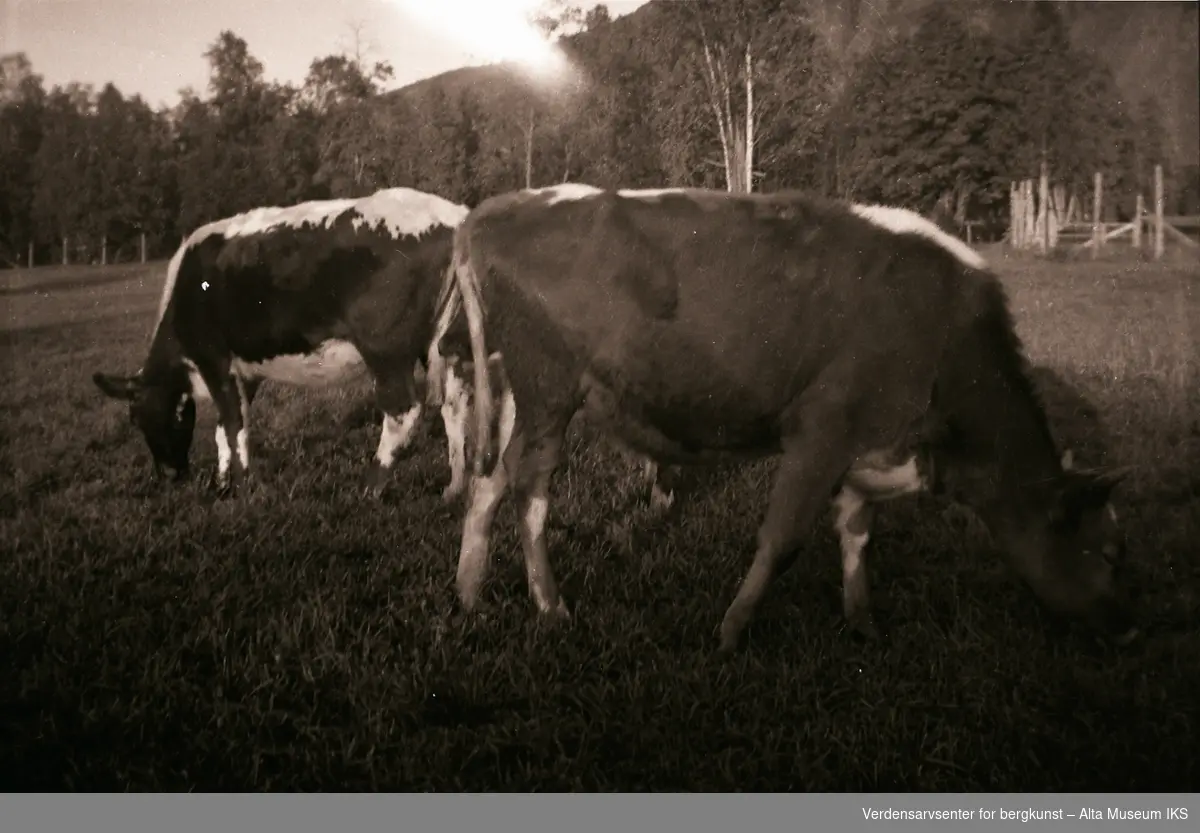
[303, 638]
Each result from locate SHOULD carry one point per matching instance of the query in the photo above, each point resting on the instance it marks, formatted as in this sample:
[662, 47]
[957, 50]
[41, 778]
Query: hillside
[1152, 49]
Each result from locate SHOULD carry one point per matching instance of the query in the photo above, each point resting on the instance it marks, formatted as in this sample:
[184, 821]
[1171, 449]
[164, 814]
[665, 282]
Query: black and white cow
[874, 354]
[311, 294]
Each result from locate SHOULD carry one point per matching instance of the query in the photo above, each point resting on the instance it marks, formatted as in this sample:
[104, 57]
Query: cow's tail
[472, 300]
[448, 303]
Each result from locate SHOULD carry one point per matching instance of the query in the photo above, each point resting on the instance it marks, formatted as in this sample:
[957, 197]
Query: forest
[933, 106]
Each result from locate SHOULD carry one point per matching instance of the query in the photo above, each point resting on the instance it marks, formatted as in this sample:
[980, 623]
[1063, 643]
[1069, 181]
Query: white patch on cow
[224, 455]
[180, 405]
[333, 362]
[405, 211]
[1112, 513]
[886, 482]
[903, 221]
[508, 418]
[455, 412]
[566, 191]
[243, 434]
[243, 448]
[397, 434]
[402, 211]
[649, 193]
[200, 390]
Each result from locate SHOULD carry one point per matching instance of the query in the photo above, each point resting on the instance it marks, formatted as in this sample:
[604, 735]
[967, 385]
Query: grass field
[303, 638]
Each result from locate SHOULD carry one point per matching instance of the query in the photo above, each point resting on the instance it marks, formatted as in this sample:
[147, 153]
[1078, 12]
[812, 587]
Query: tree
[936, 119]
[745, 53]
[21, 114]
[61, 199]
[226, 144]
[337, 80]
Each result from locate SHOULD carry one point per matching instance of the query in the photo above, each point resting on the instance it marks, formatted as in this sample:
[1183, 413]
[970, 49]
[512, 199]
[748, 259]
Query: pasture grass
[304, 638]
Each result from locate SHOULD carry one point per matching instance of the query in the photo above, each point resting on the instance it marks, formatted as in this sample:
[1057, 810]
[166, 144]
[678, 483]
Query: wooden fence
[83, 251]
[1044, 220]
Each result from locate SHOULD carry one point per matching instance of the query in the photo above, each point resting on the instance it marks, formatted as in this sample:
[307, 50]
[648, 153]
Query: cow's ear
[118, 387]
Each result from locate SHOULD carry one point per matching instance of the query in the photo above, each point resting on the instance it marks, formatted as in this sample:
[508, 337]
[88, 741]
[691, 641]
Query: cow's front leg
[402, 409]
[809, 468]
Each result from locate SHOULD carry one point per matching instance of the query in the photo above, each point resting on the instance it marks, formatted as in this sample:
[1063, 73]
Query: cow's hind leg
[485, 494]
[397, 398]
[853, 514]
[813, 461]
[543, 452]
[455, 412]
[865, 485]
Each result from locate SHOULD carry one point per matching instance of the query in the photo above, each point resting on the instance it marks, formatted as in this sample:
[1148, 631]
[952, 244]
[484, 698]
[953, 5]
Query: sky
[155, 47]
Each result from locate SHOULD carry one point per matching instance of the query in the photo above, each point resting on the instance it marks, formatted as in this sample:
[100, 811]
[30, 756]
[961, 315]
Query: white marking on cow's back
[649, 193]
[568, 191]
[403, 211]
[903, 221]
[333, 362]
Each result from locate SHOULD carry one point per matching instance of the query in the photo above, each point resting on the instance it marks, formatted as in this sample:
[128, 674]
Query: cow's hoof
[559, 613]
[728, 635]
[863, 624]
[376, 481]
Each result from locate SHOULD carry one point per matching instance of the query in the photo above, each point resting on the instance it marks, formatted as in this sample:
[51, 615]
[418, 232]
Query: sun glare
[489, 30]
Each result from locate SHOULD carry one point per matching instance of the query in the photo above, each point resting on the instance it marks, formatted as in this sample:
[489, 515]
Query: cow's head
[1070, 551]
[165, 416]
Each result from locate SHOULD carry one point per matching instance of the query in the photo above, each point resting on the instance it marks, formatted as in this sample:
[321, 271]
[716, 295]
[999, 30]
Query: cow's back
[287, 292]
[697, 310]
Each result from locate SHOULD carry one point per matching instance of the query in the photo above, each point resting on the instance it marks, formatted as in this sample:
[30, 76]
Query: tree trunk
[749, 122]
[529, 151]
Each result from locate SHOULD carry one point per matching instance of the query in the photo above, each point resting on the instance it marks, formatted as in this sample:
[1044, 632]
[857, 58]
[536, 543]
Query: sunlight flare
[490, 30]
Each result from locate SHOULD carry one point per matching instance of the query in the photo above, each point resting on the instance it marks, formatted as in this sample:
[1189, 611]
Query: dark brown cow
[872, 352]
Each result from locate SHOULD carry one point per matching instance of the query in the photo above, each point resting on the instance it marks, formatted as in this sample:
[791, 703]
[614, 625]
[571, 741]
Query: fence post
[1097, 205]
[66, 251]
[30, 256]
[104, 250]
[1139, 216]
[143, 247]
[1158, 212]
[1014, 211]
[1044, 209]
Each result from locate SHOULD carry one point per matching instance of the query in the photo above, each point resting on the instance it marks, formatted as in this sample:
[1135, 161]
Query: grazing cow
[870, 351]
[311, 294]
